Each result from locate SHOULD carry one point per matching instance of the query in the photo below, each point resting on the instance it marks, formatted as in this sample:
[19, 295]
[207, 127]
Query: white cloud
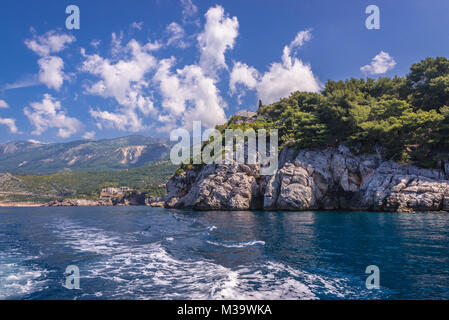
[219, 34]
[122, 119]
[116, 44]
[154, 46]
[301, 38]
[189, 95]
[51, 72]
[176, 34]
[50, 42]
[137, 25]
[29, 81]
[3, 104]
[51, 67]
[49, 114]
[89, 135]
[95, 43]
[188, 8]
[286, 77]
[124, 80]
[281, 79]
[134, 78]
[10, 123]
[380, 64]
[242, 74]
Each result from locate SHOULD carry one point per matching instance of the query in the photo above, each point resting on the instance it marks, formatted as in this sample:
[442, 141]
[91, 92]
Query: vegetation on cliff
[85, 185]
[406, 119]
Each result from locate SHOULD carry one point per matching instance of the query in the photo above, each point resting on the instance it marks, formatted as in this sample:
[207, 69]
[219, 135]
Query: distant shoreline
[71, 203]
[45, 205]
[20, 204]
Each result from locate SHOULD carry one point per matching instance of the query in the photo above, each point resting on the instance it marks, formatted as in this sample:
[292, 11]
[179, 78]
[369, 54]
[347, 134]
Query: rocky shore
[140, 201]
[23, 204]
[78, 203]
[332, 179]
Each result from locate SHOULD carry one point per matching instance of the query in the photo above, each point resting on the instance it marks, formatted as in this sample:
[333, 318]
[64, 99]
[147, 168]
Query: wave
[243, 244]
[17, 279]
[130, 269]
[86, 239]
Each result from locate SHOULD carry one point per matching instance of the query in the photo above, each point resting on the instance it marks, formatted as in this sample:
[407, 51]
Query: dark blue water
[145, 253]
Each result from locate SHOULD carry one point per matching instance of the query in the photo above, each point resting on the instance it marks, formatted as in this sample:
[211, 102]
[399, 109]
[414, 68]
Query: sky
[148, 67]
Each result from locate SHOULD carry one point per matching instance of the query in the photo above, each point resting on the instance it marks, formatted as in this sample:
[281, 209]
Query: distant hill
[24, 157]
[42, 188]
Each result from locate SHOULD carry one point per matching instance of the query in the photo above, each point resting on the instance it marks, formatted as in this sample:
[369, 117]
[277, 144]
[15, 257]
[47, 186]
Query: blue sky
[147, 67]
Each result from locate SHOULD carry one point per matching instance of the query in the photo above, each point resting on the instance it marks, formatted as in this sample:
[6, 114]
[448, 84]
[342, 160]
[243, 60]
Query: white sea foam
[243, 244]
[17, 279]
[86, 239]
[148, 271]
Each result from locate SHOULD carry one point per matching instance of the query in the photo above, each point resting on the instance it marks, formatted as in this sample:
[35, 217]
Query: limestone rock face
[222, 186]
[312, 180]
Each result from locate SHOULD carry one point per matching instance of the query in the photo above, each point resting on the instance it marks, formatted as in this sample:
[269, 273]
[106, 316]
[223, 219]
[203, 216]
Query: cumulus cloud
[154, 46]
[134, 79]
[242, 74]
[49, 114]
[219, 34]
[122, 119]
[282, 78]
[50, 42]
[176, 35]
[51, 71]
[189, 94]
[286, 77]
[132, 76]
[380, 64]
[10, 123]
[51, 67]
[124, 80]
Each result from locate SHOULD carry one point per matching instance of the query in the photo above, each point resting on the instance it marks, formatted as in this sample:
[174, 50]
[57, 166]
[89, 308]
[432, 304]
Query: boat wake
[138, 270]
[17, 278]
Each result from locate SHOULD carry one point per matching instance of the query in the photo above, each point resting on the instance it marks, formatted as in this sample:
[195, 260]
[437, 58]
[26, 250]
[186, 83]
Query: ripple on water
[18, 279]
[148, 271]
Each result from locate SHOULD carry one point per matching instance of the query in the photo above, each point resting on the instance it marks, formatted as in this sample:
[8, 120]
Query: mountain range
[26, 157]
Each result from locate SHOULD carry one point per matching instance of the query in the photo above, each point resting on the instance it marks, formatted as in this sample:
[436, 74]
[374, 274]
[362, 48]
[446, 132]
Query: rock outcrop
[331, 179]
[78, 203]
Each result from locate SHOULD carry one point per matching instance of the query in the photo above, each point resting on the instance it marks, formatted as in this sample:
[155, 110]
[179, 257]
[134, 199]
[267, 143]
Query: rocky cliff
[330, 179]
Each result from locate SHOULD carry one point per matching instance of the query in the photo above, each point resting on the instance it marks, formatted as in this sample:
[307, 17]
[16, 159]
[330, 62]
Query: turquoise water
[152, 253]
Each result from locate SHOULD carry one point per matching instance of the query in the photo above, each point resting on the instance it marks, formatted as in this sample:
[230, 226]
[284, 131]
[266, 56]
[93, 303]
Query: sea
[117, 253]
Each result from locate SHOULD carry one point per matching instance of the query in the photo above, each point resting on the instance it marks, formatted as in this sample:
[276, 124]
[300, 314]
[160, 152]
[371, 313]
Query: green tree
[428, 83]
